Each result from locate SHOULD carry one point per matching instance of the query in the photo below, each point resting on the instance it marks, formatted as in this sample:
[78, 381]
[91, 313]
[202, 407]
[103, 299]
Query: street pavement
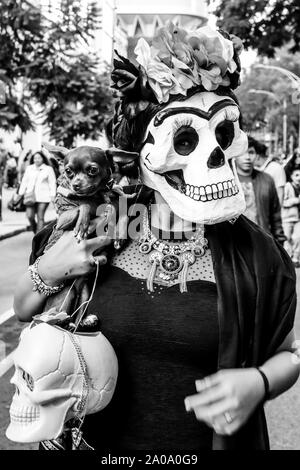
[283, 413]
[13, 222]
[14, 253]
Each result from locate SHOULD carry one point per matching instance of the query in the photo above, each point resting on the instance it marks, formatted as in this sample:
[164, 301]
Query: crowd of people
[272, 189]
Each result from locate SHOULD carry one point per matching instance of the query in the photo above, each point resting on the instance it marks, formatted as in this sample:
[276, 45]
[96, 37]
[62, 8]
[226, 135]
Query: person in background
[291, 216]
[290, 164]
[268, 165]
[23, 162]
[262, 201]
[40, 179]
[11, 172]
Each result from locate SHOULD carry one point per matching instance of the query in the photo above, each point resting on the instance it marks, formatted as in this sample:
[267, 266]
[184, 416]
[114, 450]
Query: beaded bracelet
[38, 283]
[266, 384]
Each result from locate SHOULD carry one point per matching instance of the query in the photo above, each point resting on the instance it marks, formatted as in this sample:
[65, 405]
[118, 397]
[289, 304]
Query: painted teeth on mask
[25, 415]
[209, 192]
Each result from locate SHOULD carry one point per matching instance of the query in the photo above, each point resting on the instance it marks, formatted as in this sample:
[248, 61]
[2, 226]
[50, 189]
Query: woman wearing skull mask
[203, 332]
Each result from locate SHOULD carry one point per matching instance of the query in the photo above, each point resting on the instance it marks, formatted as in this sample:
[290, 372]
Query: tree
[76, 102]
[43, 60]
[263, 110]
[262, 24]
[20, 33]
[75, 97]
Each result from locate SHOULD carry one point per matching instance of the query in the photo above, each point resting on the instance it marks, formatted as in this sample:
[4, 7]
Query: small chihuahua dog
[85, 183]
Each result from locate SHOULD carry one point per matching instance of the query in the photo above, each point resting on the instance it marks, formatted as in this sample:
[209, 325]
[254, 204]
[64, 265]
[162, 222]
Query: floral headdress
[177, 61]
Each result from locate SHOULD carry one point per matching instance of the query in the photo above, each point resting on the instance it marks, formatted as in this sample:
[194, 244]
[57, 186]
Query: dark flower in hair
[132, 85]
[125, 75]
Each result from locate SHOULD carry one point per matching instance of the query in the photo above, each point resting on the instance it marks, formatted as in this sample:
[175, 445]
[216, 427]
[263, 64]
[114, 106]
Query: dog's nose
[216, 158]
[76, 186]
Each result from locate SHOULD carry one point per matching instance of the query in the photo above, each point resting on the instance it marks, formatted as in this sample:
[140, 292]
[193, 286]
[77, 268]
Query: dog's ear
[125, 162]
[57, 152]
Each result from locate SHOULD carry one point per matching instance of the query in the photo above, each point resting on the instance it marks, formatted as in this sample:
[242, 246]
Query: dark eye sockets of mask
[225, 134]
[185, 140]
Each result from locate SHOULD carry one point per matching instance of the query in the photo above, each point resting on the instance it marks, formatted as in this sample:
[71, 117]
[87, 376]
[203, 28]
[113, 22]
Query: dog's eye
[93, 171]
[69, 172]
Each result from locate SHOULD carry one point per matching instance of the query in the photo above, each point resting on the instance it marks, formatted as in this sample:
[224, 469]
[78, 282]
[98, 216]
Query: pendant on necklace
[171, 264]
[170, 261]
[145, 247]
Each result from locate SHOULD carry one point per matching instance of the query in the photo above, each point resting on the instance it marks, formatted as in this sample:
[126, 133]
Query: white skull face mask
[186, 154]
[58, 376]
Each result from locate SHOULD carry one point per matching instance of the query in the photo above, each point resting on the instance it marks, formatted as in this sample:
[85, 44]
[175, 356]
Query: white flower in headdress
[213, 49]
[159, 75]
[178, 60]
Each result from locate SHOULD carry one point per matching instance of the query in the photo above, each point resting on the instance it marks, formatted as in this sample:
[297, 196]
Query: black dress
[164, 341]
[255, 281]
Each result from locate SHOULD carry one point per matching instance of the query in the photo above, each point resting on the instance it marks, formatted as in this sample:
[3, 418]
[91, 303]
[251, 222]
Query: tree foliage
[45, 59]
[262, 24]
[260, 109]
[20, 34]
[75, 102]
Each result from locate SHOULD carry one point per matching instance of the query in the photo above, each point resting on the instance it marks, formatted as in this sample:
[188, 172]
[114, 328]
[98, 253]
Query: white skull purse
[58, 376]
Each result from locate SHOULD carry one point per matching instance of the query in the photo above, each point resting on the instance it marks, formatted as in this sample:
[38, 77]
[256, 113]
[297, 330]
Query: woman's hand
[67, 258]
[226, 399]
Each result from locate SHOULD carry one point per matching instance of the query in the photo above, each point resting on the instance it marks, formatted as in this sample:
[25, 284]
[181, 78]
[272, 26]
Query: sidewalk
[14, 223]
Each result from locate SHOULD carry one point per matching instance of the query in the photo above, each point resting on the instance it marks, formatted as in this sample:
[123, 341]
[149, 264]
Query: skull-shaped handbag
[58, 376]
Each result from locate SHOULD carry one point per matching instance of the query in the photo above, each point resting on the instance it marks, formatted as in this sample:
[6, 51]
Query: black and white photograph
[149, 228]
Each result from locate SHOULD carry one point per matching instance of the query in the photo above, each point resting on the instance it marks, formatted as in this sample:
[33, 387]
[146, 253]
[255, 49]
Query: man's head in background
[258, 150]
[246, 162]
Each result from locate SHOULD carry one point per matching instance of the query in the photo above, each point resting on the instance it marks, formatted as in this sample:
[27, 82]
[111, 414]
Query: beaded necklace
[171, 260]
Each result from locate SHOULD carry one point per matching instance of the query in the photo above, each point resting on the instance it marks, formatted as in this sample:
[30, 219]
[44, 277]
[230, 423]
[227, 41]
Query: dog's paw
[80, 235]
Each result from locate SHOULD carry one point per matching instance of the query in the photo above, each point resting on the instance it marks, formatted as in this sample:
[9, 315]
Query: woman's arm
[65, 260]
[226, 400]
[282, 370]
[24, 182]
[290, 199]
[27, 302]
